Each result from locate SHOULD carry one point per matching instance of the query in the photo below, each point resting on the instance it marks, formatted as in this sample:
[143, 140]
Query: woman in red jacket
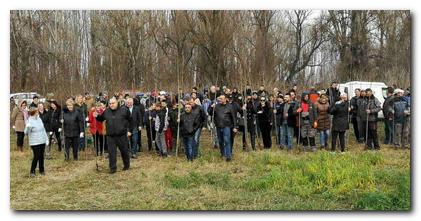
[97, 128]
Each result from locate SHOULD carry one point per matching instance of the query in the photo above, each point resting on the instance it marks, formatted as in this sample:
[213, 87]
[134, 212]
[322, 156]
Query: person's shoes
[134, 156]
[125, 168]
[215, 147]
[113, 171]
[32, 175]
[42, 173]
[314, 149]
[228, 159]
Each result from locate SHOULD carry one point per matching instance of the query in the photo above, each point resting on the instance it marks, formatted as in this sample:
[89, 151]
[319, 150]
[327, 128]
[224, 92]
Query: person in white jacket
[38, 139]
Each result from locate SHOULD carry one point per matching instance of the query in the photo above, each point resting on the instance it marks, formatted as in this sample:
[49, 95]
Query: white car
[25, 96]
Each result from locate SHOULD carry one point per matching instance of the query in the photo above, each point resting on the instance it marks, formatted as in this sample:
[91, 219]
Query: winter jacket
[201, 115]
[161, 121]
[387, 107]
[95, 125]
[400, 110]
[18, 118]
[323, 120]
[224, 115]
[279, 116]
[308, 117]
[371, 104]
[135, 117]
[55, 119]
[288, 108]
[333, 94]
[46, 119]
[73, 123]
[35, 131]
[354, 107]
[189, 123]
[118, 121]
[340, 116]
[250, 114]
[264, 114]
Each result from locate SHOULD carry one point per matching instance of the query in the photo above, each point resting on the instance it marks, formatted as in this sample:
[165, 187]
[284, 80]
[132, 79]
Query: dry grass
[261, 180]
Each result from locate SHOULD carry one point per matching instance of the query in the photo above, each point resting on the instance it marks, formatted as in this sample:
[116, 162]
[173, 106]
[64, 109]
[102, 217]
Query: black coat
[46, 120]
[118, 121]
[224, 115]
[264, 115]
[55, 119]
[73, 123]
[201, 115]
[135, 117]
[189, 123]
[340, 116]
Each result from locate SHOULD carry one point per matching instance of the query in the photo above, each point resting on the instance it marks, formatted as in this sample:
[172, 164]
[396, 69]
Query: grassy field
[260, 180]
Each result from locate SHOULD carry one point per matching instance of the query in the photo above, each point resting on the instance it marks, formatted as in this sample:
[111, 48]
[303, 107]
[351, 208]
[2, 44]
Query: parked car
[28, 96]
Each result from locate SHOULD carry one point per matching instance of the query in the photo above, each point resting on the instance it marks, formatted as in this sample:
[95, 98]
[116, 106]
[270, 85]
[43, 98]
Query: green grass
[261, 180]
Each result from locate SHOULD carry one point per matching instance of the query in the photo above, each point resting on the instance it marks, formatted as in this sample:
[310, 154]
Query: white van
[379, 90]
[28, 96]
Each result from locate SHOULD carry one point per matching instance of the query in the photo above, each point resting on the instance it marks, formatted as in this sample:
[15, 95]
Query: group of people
[172, 118]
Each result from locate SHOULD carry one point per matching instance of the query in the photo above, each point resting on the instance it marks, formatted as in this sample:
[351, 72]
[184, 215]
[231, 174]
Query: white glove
[47, 142]
[28, 125]
[88, 124]
[140, 128]
[81, 135]
[14, 128]
[87, 119]
[59, 130]
[62, 121]
[51, 133]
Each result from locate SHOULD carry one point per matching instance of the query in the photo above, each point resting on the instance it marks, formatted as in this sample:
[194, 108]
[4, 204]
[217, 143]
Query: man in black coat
[251, 120]
[388, 117]
[119, 127]
[137, 121]
[189, 124]
[333, 92]
[225, 119]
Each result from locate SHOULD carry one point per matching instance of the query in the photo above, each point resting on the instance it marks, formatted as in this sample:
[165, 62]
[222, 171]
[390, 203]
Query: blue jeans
[224, 139]
[196, 142]
[324, 136]
[133, 141]
[188, 147]
[287, 134]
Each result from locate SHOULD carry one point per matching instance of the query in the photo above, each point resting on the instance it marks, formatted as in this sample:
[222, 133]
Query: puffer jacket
[310, 117]
[73, 123]
[400, 109]
[323, 121]
[340, 116]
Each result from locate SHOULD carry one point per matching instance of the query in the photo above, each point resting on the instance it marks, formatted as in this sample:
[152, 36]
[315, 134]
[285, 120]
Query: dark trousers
[38, 158]
[139, 141]
[388, 131]
[71, 142]
[99, 143]
[58, 138]
[151, 134]
[252, 131]
[362, 124]
[372, 139]
[355, 126]
[267, 140]
[341, 140]
[122, 143]
[19, 137]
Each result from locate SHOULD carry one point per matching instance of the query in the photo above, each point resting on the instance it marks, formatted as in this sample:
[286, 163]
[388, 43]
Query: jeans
[224, 139]
[133, 141]
[287, 135]
[196, 142]
[160, 142]
[188, 147]
[388, 131]
[324, 136]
